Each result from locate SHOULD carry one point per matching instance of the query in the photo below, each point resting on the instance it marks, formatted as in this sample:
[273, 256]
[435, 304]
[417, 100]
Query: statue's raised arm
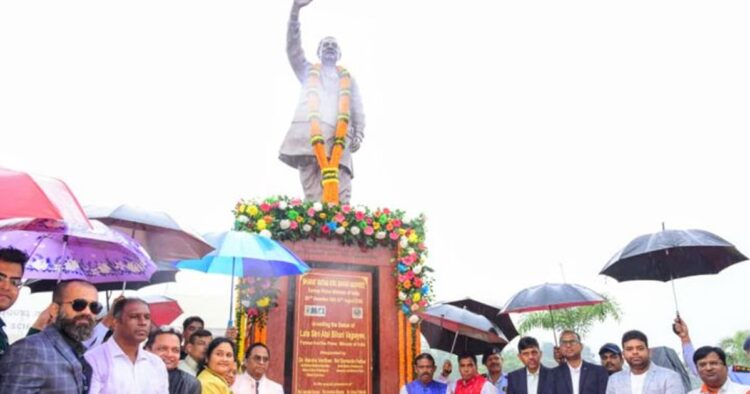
[294, 41]
[328, 124]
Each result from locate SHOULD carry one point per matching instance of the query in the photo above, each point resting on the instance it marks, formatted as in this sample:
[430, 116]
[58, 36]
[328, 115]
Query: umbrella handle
[231, 298]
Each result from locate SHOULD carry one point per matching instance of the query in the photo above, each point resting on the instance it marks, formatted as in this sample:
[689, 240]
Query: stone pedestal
[336, 328]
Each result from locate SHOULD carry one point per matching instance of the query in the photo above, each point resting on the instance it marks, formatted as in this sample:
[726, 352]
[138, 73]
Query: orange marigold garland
[329, 166]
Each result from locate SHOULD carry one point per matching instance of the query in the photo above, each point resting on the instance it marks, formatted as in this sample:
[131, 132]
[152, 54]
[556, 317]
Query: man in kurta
[424, 366]
[296, 150]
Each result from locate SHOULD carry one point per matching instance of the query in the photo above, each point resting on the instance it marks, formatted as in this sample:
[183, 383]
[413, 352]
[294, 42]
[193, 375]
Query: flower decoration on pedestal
[257, 296]
[289, 219]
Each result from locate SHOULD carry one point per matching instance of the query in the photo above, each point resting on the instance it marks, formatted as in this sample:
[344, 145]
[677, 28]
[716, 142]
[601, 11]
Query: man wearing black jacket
[535, 378]
[576, 376]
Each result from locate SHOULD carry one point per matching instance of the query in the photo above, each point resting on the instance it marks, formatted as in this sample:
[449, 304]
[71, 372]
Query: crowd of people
[573, 375]
[75, 347]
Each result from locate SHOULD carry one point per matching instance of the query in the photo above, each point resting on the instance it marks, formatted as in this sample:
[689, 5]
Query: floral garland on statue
[286, 219]
[329, 166]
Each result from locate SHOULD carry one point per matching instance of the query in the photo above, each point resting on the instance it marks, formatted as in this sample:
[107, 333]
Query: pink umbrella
[164, 310]
[29, 196]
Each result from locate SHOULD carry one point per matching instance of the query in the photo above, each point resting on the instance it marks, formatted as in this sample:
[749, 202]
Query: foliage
[732, 346]
[580, 319]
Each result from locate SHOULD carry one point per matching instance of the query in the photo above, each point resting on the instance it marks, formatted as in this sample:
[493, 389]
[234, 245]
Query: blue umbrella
[239, 253]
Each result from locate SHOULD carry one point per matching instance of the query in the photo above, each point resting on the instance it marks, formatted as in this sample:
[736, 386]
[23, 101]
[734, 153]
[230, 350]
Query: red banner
[333, 335]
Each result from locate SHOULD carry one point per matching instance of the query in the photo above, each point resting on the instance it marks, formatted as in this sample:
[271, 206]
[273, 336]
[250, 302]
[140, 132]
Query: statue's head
[329, 51]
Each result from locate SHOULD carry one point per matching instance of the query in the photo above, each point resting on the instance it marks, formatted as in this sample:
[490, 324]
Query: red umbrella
[164, 310]
[30, 196]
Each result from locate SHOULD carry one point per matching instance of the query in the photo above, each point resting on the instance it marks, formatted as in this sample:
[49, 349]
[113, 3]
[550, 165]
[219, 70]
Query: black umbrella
[165, 273]
[448, 327]
[501, 320]
[551, 296]
[672, 254]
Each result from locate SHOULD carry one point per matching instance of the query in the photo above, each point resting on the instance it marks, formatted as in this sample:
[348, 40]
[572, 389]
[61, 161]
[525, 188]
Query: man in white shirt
[445, 374]
[576, 376]
[120, 365]
[644, 377]
[254, 380]
[535, 377]
[712, 368]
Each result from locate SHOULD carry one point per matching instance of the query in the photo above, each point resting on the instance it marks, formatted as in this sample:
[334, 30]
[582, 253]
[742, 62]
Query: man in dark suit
[576, 376]
[535, 378]
[51, 361]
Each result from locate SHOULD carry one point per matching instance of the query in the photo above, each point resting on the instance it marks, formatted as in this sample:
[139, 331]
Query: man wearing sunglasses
[120, 365]
[254, 380]
[165, 343]
[12, 263]
[52, 361]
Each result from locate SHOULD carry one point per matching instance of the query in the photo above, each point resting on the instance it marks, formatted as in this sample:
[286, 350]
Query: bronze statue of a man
[296, 150]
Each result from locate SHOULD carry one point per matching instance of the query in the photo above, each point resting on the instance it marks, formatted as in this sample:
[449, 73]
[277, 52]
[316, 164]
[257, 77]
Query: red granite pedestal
[336, 326]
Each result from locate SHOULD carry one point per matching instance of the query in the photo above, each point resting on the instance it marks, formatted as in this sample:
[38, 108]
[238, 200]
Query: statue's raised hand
[302, 3]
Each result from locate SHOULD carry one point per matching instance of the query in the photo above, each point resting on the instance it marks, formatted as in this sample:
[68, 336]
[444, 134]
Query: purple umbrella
[97, 255]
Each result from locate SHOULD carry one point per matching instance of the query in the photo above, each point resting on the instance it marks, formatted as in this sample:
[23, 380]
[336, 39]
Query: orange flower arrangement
[329, 166]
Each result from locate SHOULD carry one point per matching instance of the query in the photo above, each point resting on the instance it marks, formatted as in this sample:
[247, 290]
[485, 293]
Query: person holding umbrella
[712, 368]
[424, 366]
[577, 376]
[737, 374]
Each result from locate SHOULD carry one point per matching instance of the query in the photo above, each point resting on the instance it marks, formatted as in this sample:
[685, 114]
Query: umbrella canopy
[501, 320]
[239, 253]
[97, 255]
[162, 237]
[439, 338]
[36, 197]
[672, 254]
[459, 322]
[551, 296]
[164, 310]
[165, 273]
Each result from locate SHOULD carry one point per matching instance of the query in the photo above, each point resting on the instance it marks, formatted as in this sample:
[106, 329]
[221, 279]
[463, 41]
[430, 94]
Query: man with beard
[576, 376]
[611, 357]
[165, 343]
[644, 376]
[12, 262]
[535, 378]
[424, 366]
[493, 360]
[120, 365]
[471, 382]
[445, 374]
[712, 368]
[52, 361]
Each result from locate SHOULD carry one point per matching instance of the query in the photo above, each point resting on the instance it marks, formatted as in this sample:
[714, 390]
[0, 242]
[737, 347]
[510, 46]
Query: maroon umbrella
[164, 310]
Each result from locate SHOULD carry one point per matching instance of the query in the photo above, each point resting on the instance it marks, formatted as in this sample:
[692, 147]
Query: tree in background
[732, 346]
[580, 319]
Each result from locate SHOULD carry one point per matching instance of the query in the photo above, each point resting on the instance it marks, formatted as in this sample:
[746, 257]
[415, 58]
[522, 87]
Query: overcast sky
[538, 137]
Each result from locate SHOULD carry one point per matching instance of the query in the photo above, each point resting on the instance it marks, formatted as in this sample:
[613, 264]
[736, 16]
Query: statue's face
[328, 50]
